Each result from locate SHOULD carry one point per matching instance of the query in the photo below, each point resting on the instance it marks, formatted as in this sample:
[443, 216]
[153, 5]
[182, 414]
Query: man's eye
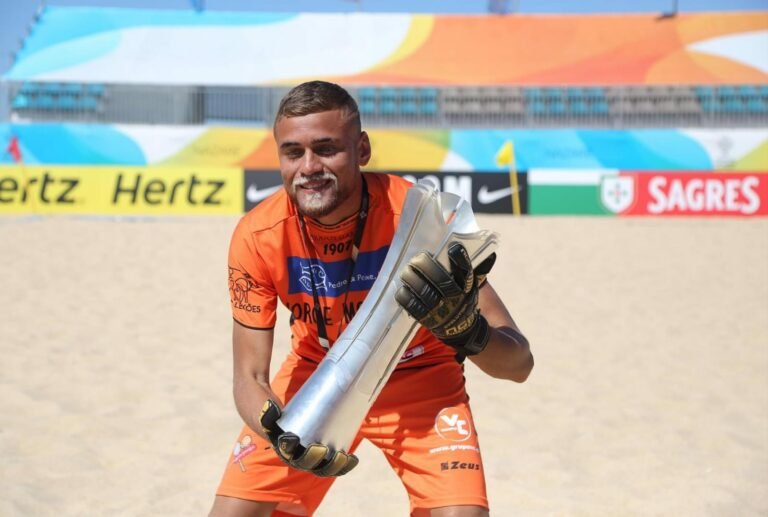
[325, 151]
[293, 153]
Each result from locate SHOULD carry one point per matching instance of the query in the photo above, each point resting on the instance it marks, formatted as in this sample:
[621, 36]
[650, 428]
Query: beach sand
[649, 395]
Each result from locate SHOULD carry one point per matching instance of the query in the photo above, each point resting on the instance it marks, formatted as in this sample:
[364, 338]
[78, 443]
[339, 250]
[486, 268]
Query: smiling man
[317, 246]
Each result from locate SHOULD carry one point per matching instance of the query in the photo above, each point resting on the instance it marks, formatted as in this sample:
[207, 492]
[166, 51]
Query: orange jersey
[270, 260]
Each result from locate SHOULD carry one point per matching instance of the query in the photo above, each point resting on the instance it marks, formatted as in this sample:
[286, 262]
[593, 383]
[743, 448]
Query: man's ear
[364, 149]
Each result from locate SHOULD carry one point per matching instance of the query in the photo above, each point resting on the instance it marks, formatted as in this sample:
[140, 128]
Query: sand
[649, 395]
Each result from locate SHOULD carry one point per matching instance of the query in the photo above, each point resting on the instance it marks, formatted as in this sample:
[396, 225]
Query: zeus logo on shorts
[459, 465]
[452, 424]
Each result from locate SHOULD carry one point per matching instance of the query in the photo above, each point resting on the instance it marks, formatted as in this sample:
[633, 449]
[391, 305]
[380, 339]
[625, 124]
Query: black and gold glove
[317, 458]
[446, 302]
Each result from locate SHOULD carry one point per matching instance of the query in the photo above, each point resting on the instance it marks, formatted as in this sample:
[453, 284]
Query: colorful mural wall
[111, 45]
[465, 150]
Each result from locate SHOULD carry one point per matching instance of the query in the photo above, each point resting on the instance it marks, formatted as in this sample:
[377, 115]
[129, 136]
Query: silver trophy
[331, 405]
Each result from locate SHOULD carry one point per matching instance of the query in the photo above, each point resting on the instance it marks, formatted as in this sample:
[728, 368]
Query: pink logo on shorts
[452, 423]
[242, 449]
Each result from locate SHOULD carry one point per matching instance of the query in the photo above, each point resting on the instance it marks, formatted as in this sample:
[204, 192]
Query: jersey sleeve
[252, 294]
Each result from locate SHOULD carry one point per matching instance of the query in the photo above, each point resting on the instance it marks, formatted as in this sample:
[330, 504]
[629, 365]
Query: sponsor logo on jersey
[330, 278]
[453, 424]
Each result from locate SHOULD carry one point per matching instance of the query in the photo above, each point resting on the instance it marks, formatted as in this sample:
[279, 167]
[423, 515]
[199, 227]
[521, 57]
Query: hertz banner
[121, 190]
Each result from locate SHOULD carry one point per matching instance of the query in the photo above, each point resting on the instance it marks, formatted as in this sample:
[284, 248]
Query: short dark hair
[316, 97]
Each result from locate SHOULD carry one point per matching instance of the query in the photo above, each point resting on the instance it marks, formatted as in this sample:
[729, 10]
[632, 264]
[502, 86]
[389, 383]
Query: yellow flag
[505, 154]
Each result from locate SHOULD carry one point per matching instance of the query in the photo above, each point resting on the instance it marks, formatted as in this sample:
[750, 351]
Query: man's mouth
[315, 184]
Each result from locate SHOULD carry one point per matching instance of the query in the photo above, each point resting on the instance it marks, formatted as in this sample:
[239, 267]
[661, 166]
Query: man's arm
[252, 353]
[261, 409]
[464, 312]
[507, 355]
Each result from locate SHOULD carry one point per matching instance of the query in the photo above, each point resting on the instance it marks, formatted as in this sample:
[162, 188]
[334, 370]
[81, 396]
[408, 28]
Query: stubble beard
[317, 204]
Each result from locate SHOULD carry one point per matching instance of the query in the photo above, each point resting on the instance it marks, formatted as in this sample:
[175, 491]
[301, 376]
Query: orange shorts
[421, 422]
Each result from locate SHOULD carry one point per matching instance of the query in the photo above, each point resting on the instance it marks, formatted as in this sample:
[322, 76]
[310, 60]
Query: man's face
[320, 159]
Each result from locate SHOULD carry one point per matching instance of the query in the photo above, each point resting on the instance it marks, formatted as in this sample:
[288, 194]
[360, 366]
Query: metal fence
[385, 106]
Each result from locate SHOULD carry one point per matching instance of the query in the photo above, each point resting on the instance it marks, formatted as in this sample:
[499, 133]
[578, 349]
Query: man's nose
[310, 163]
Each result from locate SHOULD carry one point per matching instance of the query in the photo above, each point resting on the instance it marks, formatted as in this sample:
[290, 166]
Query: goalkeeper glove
[316, 458]
[446, 302]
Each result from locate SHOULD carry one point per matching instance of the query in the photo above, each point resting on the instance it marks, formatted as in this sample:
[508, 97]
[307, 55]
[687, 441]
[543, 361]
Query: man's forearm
[507, 355]
[250, 396]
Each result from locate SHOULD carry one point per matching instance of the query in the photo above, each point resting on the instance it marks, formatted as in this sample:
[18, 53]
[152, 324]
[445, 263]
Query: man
[302, 246]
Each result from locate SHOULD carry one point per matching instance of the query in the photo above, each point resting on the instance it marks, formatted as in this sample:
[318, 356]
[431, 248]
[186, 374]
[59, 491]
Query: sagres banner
[613, 192]
[121, 190]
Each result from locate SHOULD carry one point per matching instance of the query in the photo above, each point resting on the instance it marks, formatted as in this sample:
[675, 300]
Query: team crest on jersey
[240, 285]
[313, 273]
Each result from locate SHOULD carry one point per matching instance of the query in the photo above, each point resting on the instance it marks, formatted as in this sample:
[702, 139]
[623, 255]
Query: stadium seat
[575, 94]
[428, 94]
[49, 88]
[407, 93]
[367, 94]
[553, 93]
[667, 106]
[710, 105]
[95, 89]
[493, 106]
[70, 88]
[89, 103]
[367, 106]
[579, 108]
[429, 107]
[409, 107]
[514, 107]
[388, 107]
[20, 101]
[594, 93]
[688, 106]
[532, 94]
[388, 94]
[726, 91]
[757, 106]
[704, 92]
[28, 88]
[557, 108]
[537, 107]
[732, 105]
[451, 106]
[748, 92]
[43, 102]
[67, 102]
[600, 107]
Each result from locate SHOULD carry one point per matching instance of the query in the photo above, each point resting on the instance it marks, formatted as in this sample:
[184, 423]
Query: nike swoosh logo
[254, 195]
[486, 197]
